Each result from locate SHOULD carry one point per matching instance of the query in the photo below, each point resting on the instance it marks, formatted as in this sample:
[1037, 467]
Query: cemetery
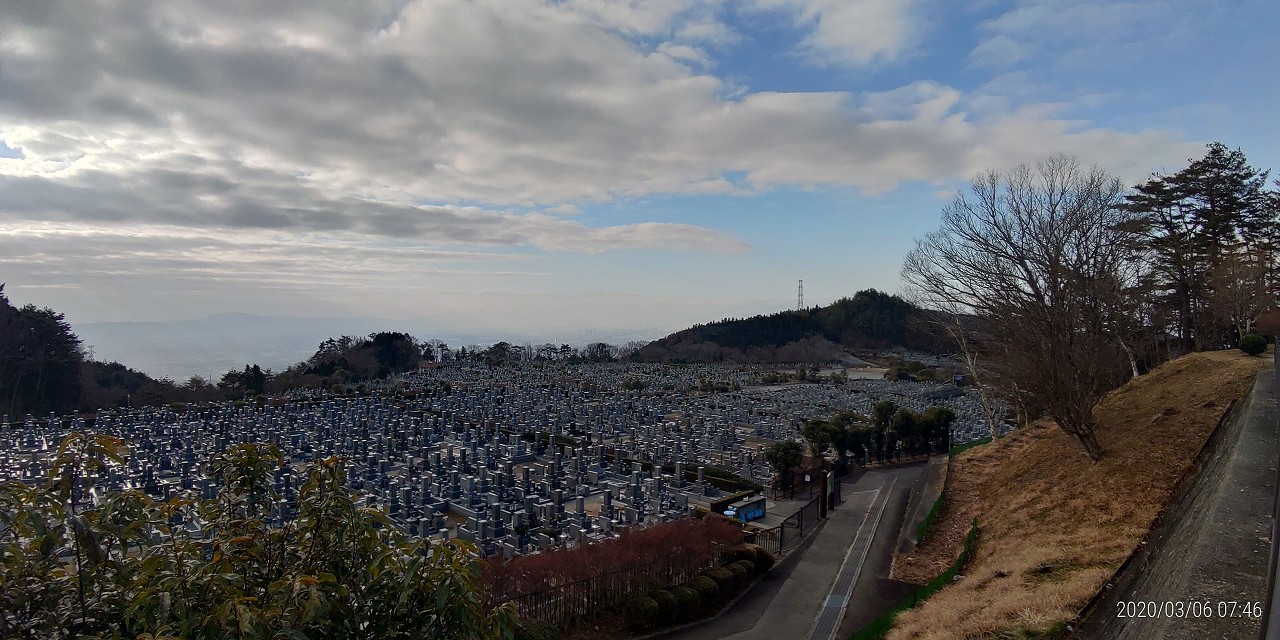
[515, 459]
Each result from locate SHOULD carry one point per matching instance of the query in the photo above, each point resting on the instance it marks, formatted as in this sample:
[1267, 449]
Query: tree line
[889, 433]
[1057, 283]
[39, 360]
[45, 368]
[870, 319]
[351, 360]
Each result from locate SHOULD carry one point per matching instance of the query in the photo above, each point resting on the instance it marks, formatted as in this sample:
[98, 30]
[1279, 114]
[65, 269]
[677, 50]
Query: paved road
[873, 592]
[837, 601]
[808, 596]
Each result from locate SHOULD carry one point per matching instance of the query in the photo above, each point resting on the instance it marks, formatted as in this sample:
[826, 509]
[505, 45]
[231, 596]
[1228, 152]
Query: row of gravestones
[461, 461]
[453, 477]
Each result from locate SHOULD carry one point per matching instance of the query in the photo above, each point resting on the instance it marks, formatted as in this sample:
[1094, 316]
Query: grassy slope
[1040, 501]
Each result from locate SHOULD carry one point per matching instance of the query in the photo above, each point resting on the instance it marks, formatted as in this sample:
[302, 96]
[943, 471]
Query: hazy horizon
[211, 345]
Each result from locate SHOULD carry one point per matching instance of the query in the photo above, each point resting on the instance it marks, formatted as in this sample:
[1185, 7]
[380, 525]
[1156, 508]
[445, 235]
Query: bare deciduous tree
[1041, 258]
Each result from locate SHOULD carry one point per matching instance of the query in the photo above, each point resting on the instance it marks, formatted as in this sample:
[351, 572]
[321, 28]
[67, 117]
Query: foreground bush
[636, 555]
[642, 613]
[537, 630]
[1253, 344]
[668, 608]
[118, 564]
[723, 579]
[707, 590]
[742, 571]
[738, 552]
[764, 560]
[689, 601]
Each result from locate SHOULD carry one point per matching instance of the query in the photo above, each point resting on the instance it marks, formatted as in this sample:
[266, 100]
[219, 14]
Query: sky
[622, 168]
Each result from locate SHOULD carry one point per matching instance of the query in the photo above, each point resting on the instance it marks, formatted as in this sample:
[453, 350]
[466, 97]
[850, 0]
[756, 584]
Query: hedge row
[923, 529]
[960, 448]
[700, 596]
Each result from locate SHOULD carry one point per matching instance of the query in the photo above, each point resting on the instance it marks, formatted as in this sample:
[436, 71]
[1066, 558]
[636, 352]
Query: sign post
[822, 498]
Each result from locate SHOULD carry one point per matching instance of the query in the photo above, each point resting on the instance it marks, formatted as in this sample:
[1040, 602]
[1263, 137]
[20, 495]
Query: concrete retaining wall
[1204, 566]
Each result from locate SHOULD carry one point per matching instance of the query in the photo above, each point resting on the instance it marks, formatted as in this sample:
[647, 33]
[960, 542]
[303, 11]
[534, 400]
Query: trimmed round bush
[1253, 344]
[668, 608]
[537, 630]
[688, 601]
[642, 613]
[724, 579]
[737, 552]
[764, 560]
[707, 590]
[741, 571]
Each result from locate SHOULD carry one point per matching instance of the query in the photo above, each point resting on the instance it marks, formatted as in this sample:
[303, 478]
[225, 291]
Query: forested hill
[868, 320]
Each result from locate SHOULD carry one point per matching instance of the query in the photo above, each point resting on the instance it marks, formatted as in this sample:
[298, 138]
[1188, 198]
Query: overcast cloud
[278, 115]
[342, 141]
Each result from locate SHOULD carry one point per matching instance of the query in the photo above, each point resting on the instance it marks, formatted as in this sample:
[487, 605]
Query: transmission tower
[800, 296]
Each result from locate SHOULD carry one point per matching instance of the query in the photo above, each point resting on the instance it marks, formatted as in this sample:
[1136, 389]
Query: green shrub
[707, 590]
[1253, 344]
[723, 578]
[384, 590]
[741, 571]
[925, 527]
[641, 613]
[537, 630]
[688, 601]
[764, 560]
[737, 552]
[668, 608]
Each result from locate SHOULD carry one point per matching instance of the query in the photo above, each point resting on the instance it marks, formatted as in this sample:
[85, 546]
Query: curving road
[836, 582]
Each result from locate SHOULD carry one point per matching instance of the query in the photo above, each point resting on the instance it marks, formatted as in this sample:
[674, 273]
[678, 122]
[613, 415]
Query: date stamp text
[1188, 609]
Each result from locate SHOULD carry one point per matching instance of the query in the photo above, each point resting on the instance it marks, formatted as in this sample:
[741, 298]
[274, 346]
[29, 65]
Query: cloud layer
[440, 119]
[319, 150]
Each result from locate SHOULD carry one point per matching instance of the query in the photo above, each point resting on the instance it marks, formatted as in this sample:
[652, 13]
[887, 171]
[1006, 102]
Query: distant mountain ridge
[869, 320]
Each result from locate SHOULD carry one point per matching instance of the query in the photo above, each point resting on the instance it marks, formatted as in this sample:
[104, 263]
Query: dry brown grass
[1054, 526]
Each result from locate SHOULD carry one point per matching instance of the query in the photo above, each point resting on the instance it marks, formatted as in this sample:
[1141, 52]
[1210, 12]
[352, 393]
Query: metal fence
[804, 485]
[783, 538]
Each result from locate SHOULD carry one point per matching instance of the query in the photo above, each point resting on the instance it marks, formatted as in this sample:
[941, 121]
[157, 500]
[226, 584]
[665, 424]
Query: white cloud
[923, 100]
[565, 209]
[645, 17]
[707, 29]
[441, 121]
[998, 51]
[853, 32]
[1054, 29]
[686, 53]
